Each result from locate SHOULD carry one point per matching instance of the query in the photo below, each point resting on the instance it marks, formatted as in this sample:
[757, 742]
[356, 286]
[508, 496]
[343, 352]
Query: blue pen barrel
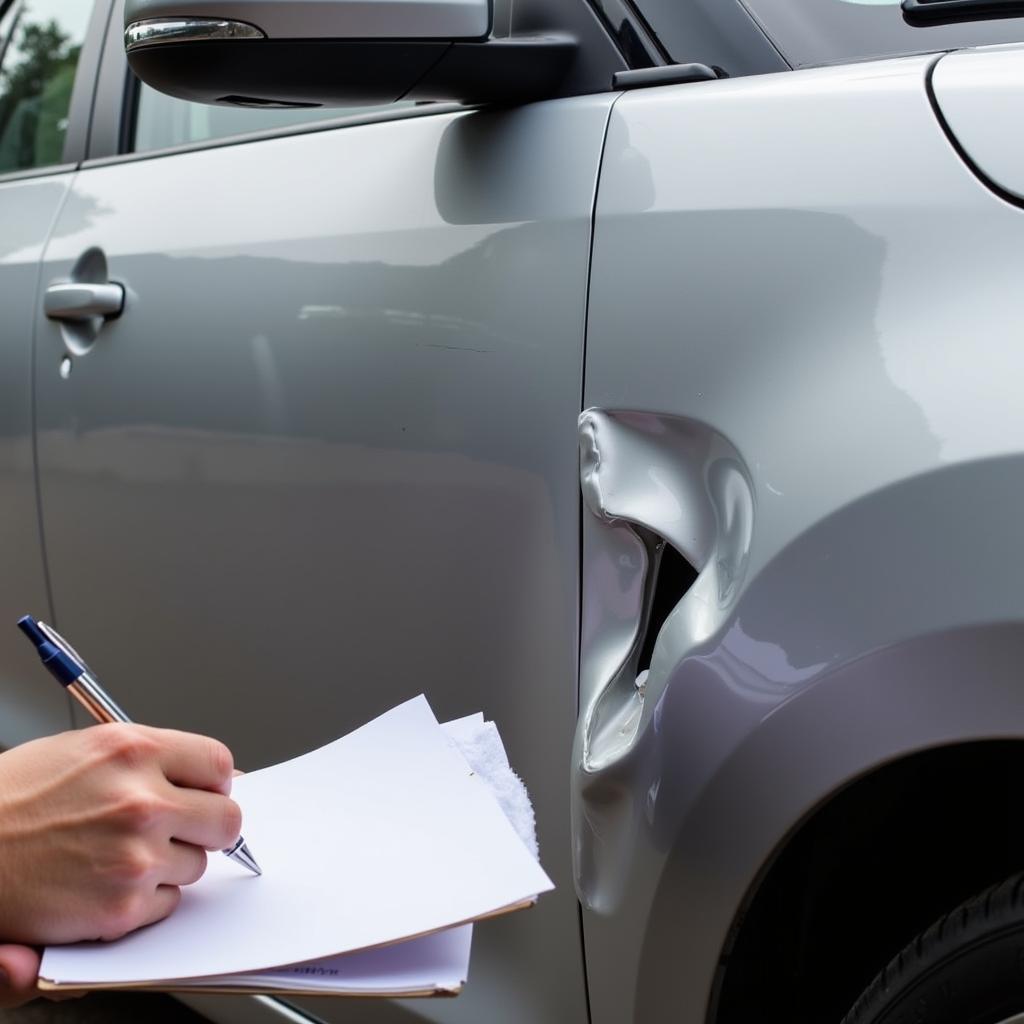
[61, 666]
[31, 629]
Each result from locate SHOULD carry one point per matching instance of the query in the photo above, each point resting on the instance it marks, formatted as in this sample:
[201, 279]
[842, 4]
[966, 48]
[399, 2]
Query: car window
[162, 120]
[831, 31]
[720, 33]
[40, 41]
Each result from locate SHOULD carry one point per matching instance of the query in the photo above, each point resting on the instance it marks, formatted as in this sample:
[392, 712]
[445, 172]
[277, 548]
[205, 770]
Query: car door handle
[83, 301]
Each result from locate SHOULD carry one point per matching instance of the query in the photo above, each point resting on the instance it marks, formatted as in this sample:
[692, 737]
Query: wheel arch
[891, 626]
[868, 720]
[859, 877]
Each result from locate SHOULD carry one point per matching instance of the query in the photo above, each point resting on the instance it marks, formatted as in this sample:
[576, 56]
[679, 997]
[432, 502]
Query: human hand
[19, 972]
[19, 967]
[100, 827]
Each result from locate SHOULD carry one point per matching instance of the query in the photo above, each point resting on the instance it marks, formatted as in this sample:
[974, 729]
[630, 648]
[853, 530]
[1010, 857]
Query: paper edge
[145, 986]
[168, 984]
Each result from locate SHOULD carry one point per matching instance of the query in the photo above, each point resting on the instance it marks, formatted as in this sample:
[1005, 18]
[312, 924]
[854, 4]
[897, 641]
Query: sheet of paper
[381, 835]
[462, 729]
[438, 962]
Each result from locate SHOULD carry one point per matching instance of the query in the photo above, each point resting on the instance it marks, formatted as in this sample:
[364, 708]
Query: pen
[69, 669]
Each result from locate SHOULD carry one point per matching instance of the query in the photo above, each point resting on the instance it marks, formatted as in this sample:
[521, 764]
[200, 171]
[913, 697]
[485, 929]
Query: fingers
[186, 864]
[147, 904]
[183, 758]
[19, 969]
[160, 905]
[208, 820]
[86, 833]
[196, 762]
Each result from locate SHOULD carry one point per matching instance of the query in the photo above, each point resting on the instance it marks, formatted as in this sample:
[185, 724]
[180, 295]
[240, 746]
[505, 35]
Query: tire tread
[997, 907]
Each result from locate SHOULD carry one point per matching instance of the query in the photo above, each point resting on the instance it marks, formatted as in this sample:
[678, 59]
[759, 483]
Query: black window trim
[629, 19]
[760, 53]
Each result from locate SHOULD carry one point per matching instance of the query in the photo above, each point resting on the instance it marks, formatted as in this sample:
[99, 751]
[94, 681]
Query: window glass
[831, 31]
[40, 41]
[720, 33]
[162, 120]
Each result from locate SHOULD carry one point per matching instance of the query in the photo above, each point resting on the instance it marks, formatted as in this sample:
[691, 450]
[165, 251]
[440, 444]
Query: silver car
[646, 373]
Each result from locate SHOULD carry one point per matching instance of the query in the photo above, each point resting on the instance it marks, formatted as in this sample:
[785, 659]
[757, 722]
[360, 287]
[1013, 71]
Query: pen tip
[241, 854]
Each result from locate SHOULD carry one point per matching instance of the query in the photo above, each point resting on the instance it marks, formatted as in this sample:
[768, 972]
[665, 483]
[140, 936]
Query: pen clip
[58, 641]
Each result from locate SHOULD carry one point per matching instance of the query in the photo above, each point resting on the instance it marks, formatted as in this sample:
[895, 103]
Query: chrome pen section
[86, 688]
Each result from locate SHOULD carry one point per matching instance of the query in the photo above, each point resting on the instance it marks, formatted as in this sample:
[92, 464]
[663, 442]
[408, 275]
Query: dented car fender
[784, 385]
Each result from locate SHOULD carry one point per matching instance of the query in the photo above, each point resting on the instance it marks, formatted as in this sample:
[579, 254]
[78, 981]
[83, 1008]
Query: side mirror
[313, 53]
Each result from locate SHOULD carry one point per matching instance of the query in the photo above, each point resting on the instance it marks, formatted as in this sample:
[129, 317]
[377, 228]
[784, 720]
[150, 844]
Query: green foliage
[35, 93]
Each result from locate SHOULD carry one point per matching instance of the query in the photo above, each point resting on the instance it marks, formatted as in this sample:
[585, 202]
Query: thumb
[19, 969]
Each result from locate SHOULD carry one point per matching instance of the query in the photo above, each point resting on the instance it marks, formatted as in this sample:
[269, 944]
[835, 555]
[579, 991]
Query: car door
[41, 47]
[325, 458]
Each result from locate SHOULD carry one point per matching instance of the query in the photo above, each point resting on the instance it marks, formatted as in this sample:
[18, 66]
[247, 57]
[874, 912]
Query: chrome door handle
[83, 301]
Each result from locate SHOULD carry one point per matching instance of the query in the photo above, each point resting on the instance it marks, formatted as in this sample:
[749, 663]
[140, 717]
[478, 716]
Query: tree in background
[35, 93]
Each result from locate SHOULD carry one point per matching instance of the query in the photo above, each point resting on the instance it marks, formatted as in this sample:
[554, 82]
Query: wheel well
[867, 871]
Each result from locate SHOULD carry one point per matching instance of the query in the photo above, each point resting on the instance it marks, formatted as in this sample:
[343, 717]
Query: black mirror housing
[181, 48]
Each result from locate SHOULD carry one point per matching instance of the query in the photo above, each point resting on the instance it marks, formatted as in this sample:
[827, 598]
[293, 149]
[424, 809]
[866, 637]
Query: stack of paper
[377, 851]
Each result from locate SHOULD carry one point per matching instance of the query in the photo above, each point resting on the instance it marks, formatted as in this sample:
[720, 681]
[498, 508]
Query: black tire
[967, 968]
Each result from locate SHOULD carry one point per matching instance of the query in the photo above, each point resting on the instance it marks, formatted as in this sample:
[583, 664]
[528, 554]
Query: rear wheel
[967, 968]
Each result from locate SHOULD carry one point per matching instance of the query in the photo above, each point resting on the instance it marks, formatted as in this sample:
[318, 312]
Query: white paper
[379, 836]
[480, 744]
[462, 729]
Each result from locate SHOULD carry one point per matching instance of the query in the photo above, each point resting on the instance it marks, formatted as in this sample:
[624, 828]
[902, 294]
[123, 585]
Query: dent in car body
[684, 485]
[792, 289]
[647, 479]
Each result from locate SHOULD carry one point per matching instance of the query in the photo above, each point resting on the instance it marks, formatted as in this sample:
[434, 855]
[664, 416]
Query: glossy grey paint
[327, 452]
[778, 299]
[978, 92]
[32, 706]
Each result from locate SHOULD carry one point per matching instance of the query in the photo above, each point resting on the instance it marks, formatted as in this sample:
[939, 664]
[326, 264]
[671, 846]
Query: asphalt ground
[104, 1008]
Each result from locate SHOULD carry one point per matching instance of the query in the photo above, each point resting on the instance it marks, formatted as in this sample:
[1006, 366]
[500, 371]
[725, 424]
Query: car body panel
[33, 705]
[786, 383]
[325, 459]
[979, 93]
